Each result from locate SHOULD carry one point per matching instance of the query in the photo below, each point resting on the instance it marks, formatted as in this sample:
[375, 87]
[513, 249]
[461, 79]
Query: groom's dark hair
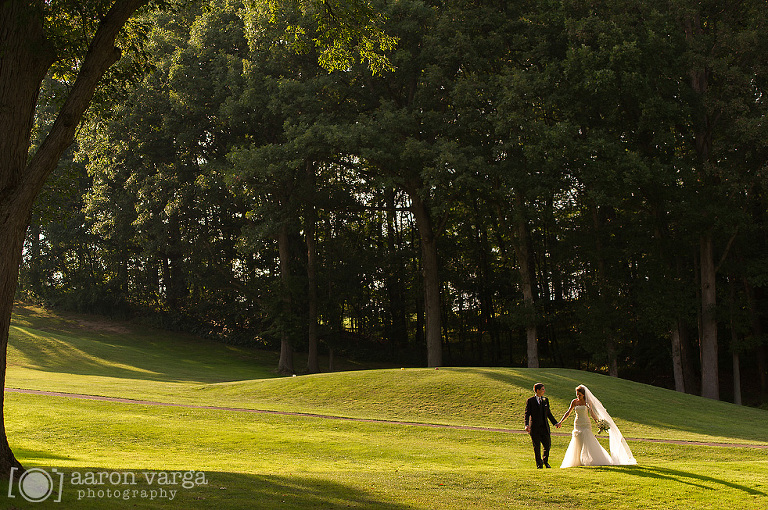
[538, 386]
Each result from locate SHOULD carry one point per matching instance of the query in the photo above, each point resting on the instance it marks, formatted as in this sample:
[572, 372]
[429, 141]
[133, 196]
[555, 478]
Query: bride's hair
[581, 389]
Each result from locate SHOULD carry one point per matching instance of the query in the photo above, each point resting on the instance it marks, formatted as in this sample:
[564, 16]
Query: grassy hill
[301, 461]
[86, 355]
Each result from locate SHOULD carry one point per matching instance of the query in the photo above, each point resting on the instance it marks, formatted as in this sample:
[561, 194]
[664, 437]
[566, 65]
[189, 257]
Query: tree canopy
[533, 183]
[540, 184]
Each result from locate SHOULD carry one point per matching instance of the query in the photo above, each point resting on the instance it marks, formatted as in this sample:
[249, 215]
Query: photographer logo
[36, 485]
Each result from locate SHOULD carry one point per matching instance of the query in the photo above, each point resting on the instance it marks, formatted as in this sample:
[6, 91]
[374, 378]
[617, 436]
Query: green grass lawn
[254, 460]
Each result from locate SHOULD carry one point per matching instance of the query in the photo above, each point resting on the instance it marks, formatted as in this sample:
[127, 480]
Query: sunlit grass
[291, 462]
[269, 461]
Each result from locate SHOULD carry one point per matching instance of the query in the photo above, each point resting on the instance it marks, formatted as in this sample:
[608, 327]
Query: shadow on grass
[304, 492]
[49, 342]
[164, 358]
[684, 477]
[159, 489]
[37, 456]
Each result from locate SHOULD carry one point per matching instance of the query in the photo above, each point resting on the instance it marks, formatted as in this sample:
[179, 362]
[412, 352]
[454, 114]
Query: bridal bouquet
[602, 426]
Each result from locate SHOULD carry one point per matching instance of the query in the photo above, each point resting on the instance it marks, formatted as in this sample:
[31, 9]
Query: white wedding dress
[585, 450]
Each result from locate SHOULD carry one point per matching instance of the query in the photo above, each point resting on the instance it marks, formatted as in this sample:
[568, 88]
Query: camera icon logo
[36, 485]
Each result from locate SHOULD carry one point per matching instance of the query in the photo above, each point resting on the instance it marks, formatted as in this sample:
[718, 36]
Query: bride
[584, 449]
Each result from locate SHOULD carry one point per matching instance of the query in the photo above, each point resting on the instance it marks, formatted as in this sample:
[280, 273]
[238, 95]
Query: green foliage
[568, 132]
[344, 31]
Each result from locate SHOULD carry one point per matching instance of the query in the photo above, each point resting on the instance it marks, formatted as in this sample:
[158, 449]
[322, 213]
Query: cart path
[346, 418]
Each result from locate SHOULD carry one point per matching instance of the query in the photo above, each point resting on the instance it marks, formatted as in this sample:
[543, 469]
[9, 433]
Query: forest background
[538, 183]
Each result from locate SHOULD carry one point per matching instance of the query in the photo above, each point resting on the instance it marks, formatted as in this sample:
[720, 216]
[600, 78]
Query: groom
[536, 415]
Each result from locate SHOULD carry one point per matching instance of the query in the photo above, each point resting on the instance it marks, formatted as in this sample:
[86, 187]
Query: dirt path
[344, 418]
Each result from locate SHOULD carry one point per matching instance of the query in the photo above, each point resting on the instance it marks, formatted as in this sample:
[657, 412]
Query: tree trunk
[734, 343]
[431, 282]
[313, 365]
[528, 279]
[677, 357]
[285, 365]
[522, 247]
[692, 380]
[25, 57]
[736, 379]
[12, 233]
[703, 139]
[710, 383]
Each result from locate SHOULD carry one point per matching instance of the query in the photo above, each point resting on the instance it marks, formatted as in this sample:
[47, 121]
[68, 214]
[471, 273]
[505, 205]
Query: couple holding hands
[584, 449]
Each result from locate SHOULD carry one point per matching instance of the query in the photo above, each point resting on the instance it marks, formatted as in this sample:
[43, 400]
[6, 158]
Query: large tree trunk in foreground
[21, 73]
[11, 238]
[25, 57]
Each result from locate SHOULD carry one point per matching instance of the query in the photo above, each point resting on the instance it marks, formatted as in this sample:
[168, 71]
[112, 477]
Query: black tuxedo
[538, 417]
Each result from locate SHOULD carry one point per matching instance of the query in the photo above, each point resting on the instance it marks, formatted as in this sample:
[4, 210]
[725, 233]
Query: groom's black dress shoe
[546, 464]
[539, 467]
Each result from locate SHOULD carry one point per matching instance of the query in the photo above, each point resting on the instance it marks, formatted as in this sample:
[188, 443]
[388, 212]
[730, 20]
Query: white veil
[620, 452]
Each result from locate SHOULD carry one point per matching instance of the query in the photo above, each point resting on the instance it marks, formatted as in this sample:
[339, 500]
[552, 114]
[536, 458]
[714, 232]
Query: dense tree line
[572, 184]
